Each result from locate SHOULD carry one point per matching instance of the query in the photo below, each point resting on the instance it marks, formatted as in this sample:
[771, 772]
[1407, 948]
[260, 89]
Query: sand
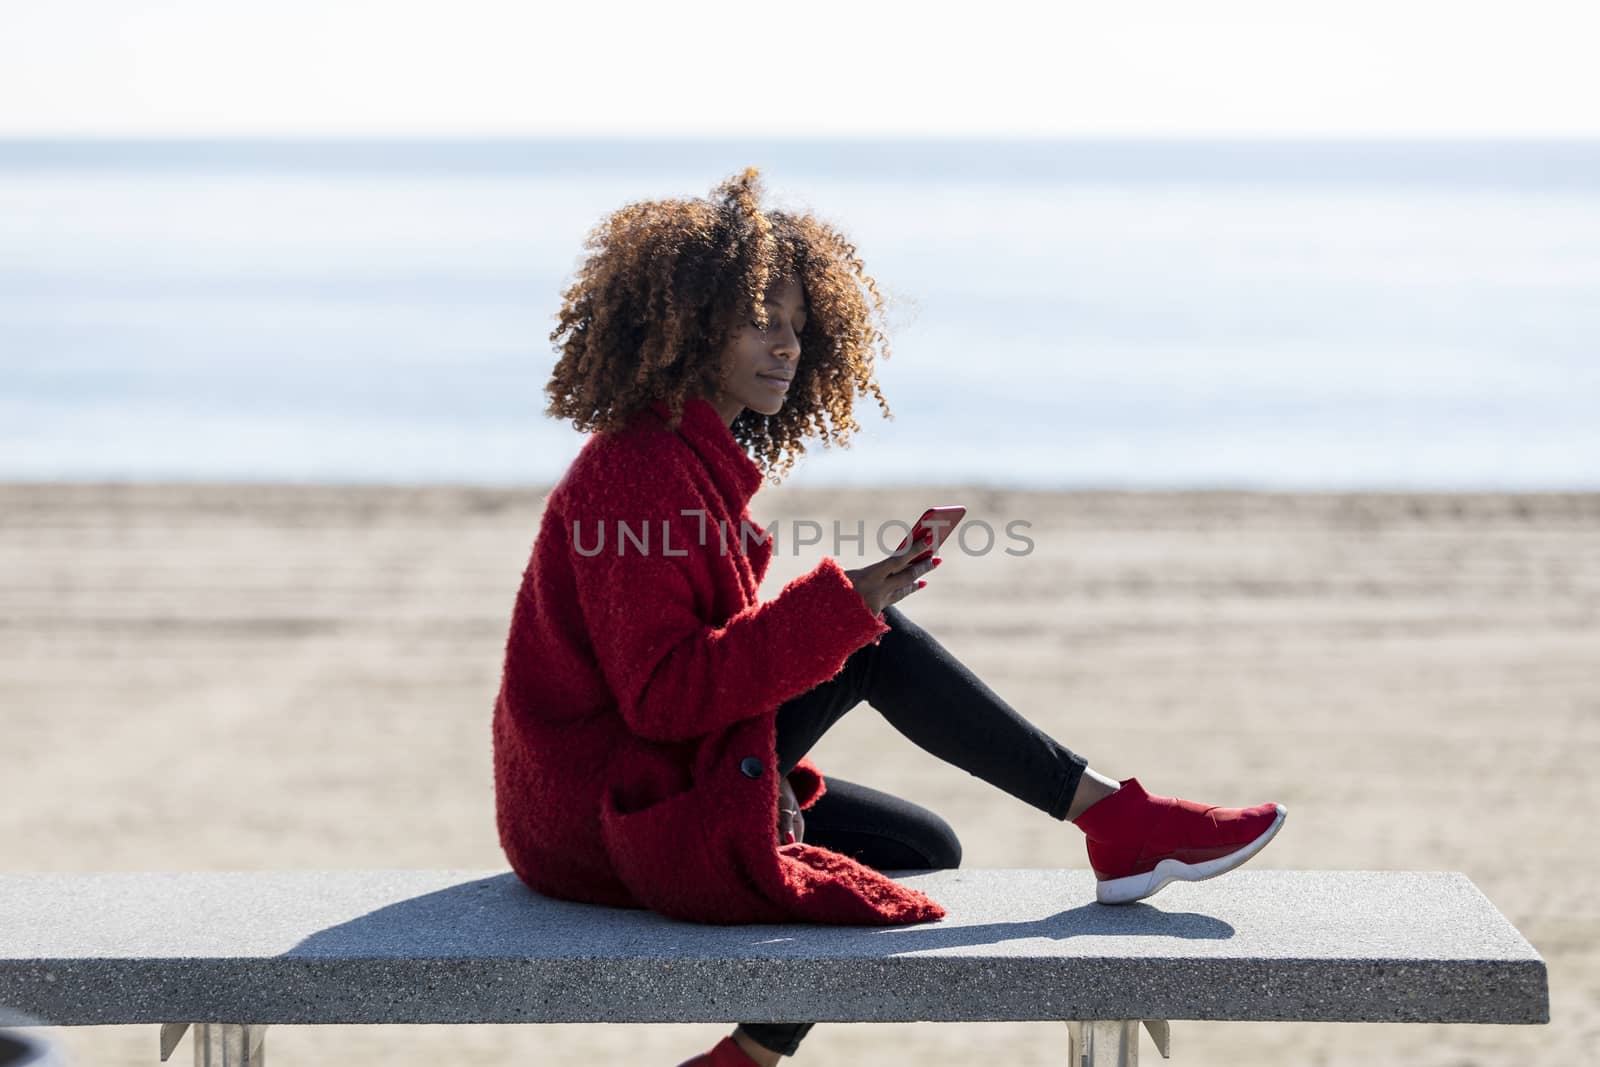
[281, 677]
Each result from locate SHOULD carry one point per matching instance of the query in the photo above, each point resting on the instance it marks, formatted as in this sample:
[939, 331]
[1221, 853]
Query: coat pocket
[663, 853]
[694, 834]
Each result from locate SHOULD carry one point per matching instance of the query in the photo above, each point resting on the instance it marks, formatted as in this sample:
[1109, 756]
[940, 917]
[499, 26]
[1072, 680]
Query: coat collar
[731, 467]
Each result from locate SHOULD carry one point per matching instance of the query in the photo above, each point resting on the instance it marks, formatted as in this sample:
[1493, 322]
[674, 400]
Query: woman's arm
[674, 675]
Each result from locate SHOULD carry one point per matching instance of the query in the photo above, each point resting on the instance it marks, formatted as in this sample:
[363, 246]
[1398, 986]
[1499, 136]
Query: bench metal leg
[1114, 1042]
[220, 1044]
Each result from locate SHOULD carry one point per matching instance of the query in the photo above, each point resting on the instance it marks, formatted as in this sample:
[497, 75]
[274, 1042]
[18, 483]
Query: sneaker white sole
[1138, 886]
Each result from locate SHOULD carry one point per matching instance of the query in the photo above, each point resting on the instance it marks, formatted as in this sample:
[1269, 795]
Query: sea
[1272, 314]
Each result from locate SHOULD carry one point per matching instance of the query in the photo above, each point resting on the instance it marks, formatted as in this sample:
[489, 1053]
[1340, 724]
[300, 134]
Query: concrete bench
[235, 952]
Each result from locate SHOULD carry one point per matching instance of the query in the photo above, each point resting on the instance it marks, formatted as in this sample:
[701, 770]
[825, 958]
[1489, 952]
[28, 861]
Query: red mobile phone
[941, 521]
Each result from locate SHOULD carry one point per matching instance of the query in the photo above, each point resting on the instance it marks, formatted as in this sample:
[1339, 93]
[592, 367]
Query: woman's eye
[798, 330]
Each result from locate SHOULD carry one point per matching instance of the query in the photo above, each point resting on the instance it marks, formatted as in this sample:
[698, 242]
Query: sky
[488, 68]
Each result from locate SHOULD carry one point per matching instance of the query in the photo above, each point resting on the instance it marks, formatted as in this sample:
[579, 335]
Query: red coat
[634, 752]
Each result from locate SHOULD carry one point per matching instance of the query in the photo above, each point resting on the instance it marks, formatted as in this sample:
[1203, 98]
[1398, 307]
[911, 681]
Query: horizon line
[1253, 139]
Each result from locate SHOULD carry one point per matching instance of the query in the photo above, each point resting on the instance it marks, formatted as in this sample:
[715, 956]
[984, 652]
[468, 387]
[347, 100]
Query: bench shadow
[1085, 920]
[500, 917]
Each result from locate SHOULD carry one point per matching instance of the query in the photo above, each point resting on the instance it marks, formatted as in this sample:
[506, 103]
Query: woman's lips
[780, 384]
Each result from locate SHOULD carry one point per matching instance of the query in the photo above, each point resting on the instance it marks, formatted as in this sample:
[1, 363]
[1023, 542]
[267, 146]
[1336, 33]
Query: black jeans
[941, 706]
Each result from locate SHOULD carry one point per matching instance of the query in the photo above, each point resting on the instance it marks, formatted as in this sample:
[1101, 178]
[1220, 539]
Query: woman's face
[758, 366]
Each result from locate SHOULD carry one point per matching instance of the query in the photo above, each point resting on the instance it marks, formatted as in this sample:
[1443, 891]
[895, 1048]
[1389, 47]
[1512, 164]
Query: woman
[654, 715]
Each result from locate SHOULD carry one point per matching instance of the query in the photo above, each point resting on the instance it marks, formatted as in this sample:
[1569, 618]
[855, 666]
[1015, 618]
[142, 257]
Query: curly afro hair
[661, 291]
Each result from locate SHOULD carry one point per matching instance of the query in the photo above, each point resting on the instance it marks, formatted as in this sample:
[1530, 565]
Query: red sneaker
[1138, 842]
[725, 1053]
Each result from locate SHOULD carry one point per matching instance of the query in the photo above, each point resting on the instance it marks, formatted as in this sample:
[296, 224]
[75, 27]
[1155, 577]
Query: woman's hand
[892, 579]
[791, 821]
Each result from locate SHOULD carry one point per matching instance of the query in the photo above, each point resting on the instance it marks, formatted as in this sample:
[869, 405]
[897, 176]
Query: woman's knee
[940, 845]
[901, 627]
[882, 830]
[934, 840]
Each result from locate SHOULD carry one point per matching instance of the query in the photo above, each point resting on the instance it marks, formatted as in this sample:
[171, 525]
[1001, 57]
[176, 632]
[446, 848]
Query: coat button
[751, 767]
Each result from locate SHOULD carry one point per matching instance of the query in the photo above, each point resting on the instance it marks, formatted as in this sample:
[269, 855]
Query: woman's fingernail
[937, 560]
[922, 583]
[788, 837]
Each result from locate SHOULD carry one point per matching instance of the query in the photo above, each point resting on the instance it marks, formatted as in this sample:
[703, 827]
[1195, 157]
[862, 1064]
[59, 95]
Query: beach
[251, 677]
